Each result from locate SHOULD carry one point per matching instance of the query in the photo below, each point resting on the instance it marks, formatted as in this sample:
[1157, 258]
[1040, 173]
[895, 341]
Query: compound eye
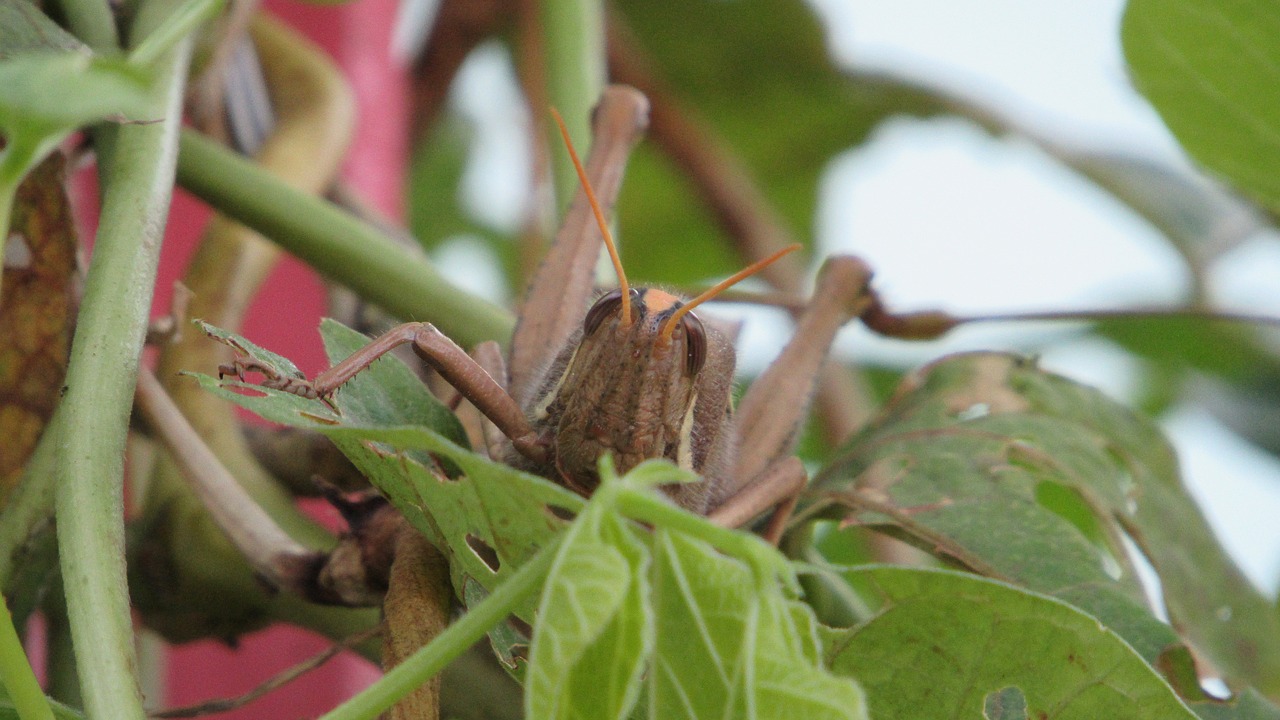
[695, 343]
[606, 306]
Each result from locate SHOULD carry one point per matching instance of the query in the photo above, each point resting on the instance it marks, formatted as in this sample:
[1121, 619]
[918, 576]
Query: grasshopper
[634, 373]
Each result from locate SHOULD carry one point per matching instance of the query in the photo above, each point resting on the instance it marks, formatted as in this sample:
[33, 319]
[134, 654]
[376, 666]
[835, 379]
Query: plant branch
[336, 243]
[451, 643]
[100, 382]
[573, 33]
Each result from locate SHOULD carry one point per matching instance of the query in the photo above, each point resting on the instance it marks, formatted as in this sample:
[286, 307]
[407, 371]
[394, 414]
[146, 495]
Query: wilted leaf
[1211, 69]
[950, 645]
[1028, 477]
[37, 306]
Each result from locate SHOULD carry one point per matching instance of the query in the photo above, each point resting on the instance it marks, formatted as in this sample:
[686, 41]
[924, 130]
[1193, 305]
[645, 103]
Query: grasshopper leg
[442, 354]
[777, 487]
[769, 415]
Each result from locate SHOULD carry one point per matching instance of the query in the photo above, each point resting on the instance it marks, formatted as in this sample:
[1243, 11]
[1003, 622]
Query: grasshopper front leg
[453, 363]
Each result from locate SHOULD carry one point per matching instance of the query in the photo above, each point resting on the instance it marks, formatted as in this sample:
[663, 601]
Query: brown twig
[211, 707]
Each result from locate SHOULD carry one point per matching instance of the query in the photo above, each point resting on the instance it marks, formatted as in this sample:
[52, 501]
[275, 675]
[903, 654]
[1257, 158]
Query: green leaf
[1026, 476]
[65, 90]
[49, 94]
[487, 519]
[23, 28]
[947, 644]
[595, 626]
[1212, 70]
[729, 646]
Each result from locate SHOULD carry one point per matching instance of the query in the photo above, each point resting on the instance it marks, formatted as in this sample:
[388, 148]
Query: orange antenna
[669, 326]
[604, 226]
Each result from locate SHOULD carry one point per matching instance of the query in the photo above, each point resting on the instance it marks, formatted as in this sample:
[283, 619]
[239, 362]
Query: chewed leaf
[1026, 476]
[398, 435]
[947, 644]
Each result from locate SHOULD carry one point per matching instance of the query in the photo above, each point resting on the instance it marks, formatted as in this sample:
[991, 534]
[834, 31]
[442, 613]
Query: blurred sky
[951, 218]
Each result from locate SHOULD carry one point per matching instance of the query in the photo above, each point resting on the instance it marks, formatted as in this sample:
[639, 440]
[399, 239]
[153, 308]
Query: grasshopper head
[630, 386]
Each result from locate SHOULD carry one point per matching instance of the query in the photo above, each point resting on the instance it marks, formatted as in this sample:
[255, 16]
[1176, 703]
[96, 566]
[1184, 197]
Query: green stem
[100, 379]
[336, 243]
[574, 44]
[16, 673]
[448, 645]
[188, 17]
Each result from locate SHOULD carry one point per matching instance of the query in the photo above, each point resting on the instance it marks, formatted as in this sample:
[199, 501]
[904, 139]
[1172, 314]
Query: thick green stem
[574, 42]
[451, 643]
[99, 389]
[336, 243]
[16, 674]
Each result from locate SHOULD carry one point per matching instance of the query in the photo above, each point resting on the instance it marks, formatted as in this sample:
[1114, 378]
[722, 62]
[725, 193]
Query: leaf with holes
[487, 517]
[1025, 476]
[947, 644]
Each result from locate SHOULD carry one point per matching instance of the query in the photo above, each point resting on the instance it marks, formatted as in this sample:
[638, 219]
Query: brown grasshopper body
[637, 375]
[620, 388]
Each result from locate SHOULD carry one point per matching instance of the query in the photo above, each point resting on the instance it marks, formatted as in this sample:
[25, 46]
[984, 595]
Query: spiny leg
[443, 355]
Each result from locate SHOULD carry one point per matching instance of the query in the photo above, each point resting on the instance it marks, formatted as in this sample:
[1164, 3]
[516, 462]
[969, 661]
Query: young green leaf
[731, 646]
[948, 644]
[595, 625]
